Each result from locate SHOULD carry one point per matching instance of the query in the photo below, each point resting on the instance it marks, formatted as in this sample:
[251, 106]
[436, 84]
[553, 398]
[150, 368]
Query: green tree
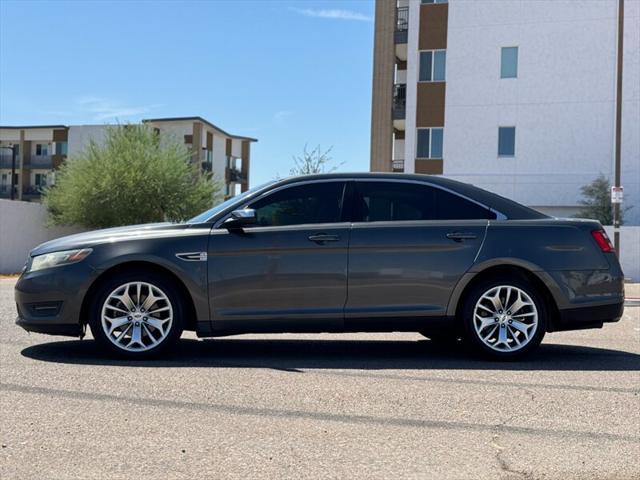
[597, 201]
[135, 176]
[314, 161]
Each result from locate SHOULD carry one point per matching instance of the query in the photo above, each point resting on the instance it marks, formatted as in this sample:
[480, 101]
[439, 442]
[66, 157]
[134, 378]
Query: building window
[429, 143]
[42, 149]
[509, 62]
[506, 141]
[434, 1]
[61, 148]
[432, 65]
[40, 180]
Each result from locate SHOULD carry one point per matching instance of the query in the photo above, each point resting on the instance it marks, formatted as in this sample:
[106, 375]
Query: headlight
[57, 259]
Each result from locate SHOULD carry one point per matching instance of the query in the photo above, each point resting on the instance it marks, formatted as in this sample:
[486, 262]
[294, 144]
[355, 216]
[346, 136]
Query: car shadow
[296, 355]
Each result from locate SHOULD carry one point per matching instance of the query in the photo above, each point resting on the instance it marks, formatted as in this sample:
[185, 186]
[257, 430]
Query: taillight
[602, 240]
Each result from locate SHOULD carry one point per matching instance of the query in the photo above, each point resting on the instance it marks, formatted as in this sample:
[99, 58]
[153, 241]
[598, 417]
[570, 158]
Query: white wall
[81, 135]
[236, 148]
[9, 135]
[629, 251]
[219, 156]
[23, 227]
[562, 103]
[631, 112]
[178, 129]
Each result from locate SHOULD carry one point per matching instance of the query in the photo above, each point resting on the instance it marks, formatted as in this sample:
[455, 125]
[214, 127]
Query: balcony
[5, 191]
[5, 161]
[31, 192]
[401, 33]
[398, 166]
[39, 161]
[399, 101]
[234, 175]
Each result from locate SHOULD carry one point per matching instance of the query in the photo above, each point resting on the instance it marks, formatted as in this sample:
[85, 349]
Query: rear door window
[399, 201]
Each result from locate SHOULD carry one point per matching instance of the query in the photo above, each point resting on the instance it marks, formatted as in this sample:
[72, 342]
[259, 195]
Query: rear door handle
[459, 236]
[323, 237]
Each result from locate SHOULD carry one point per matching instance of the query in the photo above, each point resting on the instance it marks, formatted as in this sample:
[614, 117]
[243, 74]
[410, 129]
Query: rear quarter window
[454, 207]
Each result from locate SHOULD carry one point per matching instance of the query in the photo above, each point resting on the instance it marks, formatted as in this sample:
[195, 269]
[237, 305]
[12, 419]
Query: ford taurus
[331, 253]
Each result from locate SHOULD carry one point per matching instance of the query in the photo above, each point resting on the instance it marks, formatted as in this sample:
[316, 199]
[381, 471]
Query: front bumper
[50, 300]
[67, 330]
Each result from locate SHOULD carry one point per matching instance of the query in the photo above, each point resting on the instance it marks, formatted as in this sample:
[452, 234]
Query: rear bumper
[588, 316]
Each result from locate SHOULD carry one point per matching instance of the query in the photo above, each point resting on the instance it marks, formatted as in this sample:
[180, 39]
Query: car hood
[110, 235]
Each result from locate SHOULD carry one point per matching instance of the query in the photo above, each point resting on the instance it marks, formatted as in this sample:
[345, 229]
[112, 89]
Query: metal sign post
[616, 205]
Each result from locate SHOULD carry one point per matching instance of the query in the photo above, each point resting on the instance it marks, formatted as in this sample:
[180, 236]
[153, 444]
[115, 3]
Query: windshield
[206, 215]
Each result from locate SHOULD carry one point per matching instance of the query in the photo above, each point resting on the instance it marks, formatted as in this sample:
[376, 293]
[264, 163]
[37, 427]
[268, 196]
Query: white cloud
[102, 109]
[280, 116]
[335, 14]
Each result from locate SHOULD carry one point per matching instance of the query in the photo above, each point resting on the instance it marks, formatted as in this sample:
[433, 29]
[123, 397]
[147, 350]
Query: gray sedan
[331, 253]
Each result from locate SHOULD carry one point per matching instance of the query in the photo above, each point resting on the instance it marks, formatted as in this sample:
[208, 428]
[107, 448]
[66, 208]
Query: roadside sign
[617, 194]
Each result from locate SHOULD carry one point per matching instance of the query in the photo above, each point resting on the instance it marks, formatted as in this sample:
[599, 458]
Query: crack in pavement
[500, 450]
[506, 467]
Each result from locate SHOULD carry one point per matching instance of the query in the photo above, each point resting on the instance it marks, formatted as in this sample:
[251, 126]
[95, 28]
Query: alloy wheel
[505, 318]
[136, 316]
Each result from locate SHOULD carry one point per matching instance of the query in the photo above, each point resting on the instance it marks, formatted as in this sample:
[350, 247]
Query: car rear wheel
[137, 315]
[504, 318]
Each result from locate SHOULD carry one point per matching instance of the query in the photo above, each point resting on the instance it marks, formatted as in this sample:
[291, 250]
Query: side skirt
[352, 325]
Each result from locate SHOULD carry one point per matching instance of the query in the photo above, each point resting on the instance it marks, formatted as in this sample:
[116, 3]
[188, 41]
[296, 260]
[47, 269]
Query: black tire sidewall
[167, 285]
[467, 317]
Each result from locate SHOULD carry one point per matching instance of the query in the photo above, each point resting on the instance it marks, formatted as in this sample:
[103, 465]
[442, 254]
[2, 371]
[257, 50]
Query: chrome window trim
[499, 215]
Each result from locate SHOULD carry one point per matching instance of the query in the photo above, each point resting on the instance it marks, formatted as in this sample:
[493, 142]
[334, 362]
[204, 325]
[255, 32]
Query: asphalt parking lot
[324, 406]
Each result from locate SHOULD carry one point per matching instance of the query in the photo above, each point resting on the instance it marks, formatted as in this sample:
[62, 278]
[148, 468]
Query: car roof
[512, 210]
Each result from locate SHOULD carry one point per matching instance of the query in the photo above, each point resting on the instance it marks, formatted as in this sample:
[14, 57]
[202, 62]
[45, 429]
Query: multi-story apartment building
[518, 97]
[227, 156]
[40, 150]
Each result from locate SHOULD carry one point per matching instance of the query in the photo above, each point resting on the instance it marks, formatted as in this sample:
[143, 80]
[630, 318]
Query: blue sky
[285, 72]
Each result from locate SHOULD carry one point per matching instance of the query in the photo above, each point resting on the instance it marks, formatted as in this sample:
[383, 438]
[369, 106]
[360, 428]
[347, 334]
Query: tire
[137, 326]
[501, 333]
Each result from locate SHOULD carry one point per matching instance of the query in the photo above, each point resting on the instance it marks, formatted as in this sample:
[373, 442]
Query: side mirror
[240, 219]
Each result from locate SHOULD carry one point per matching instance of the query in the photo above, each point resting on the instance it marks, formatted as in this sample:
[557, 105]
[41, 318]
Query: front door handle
[323, 238]
[459, 236]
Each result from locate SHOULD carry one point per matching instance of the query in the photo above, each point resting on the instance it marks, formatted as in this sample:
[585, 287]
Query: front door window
[299, 205]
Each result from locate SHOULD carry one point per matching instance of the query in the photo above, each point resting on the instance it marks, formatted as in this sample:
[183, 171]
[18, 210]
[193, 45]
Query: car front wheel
[504, 318]
[137, 315]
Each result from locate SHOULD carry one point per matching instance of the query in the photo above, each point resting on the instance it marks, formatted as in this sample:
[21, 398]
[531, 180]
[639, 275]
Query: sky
[288, 73]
